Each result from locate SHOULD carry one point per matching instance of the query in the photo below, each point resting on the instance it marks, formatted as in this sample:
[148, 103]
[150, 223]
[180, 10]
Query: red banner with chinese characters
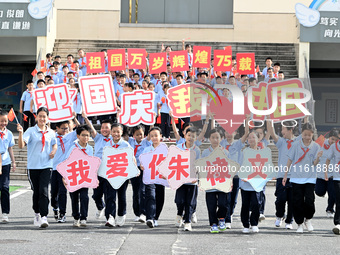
[201, 56]
[95, 62]
[157, 62]
[116, 60]
[136, 58]
[179, 61]
[223, 60]
[245, 63]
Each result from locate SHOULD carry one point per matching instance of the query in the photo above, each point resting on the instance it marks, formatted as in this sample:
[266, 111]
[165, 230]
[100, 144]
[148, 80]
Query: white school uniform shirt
[334, 154]
[88, 149]
[121, 143]
[143, 144]
[7, 142]
[182, 140]
[304, 171]
[234, 149]
[68, 140]
[100, 142]
[2, 148]
[282, 145]
[27, 96]
[77, 104]
[206, 153]
[322, 163]
[37, 157]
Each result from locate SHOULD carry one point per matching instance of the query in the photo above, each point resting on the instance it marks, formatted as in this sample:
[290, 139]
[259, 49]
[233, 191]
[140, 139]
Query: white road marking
[19, 193]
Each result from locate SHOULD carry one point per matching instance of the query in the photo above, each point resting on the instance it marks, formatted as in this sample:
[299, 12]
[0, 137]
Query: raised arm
[21, 143]
[88, 122]
[271, 131]
[174, 128]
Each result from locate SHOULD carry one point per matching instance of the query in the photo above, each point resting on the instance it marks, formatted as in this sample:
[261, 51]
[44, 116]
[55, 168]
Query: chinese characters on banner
[118, 165]
[245, 63]
[332, 27]
[98, 95]
[116, 60]
[150, 161]
[201, 56]
[57, 99]
[257, 168]
[136, 58]
[137, 107]
[179, 61]
[157, 62]
[223, 60]
[263, 99]
[79, 170]
[186, 100]
[178, 167]
[95, 62]
[216, 171]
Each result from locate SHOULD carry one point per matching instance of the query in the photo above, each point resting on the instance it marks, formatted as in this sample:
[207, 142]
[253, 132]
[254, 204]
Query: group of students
[300, 159]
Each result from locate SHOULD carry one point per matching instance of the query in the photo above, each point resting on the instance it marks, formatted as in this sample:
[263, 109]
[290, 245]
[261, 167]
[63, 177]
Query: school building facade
[261, 26]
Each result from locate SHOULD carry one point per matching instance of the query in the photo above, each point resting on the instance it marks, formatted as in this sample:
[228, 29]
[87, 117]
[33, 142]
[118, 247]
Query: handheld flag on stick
[25, 117]
[12, 116]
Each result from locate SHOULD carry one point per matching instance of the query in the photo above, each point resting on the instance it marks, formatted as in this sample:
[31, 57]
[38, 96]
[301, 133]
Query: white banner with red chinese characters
[57, 99]
[150, 161]
[98, 95]
[79, 170]
[179, 167]
[118, 165]
[137, 107]
[257, 167]
[216, 172]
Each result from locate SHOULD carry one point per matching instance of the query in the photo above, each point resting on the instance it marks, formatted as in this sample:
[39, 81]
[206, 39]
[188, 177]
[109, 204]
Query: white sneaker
[76, 223]
[194, 218]
[83, 223]
[278, 222]
[120, 220]
[44, 223]
[336, 230]
[299, 229]
[5, 218]
[330, 214]
[110, 222]
[289, 226]
[308, 225]
[178, 221]
[255, 229]
[246, 231]
[187, 227]
[37, 220]
[228, 225]
[99, 213]
[142, 218]
[136, 219]
[155, 223]
[149, 223]
[262, 217]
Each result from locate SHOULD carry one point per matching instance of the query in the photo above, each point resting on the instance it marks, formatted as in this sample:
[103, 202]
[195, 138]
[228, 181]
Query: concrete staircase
[282, 53]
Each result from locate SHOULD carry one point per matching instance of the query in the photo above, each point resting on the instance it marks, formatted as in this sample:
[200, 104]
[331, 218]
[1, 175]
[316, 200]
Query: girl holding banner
[41, 148]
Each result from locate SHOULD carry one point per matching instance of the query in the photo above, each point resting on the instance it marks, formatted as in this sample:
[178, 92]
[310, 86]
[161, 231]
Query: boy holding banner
[81, 195]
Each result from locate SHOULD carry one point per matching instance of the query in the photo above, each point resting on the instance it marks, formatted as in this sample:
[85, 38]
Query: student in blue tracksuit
[81, 196]
[154, 193]
[215, 198]
[302, 159]
[138, 144]
[8, 160]
[284, 194]
[322, 186]
[65, 139]
[109, 192]
[41, 149]
[185, 197]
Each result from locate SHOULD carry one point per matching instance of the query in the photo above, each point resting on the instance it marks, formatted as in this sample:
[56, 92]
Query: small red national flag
[25, 118]
[72, 66]
[44, 70]
[35, 116]
[228, 48]
[34, 73]
[42, 63]
[257, 69]
[321, 140]
[11, 115]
